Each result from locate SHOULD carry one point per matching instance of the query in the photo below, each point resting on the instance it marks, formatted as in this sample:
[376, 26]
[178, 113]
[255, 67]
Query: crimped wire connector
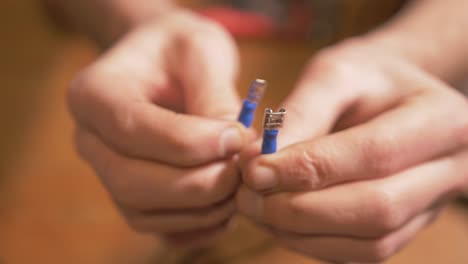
[255, 94]
[272, 122]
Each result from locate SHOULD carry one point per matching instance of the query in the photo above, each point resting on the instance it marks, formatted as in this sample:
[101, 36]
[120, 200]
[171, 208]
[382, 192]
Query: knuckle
[250, 179]
[339, 61]
[208, 31]
[451, 106]
[124, 129]
[200, 40]
[343, 62]
[90, 102]
[123, 123]
[296, 210]
[81, 81]
[124, 190]
[386, 215]
[200, 186]
[308, 169]
[208, 28]
[311, 169]
[203, 34]
[380, 250]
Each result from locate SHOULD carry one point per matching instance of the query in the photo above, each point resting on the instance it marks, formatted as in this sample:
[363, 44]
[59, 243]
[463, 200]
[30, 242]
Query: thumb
[208, 66]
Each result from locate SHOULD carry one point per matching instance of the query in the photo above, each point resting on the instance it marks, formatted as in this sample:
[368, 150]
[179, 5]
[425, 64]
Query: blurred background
[52, 207]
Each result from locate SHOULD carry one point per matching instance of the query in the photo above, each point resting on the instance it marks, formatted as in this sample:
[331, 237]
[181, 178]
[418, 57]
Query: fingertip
[258, 171]
[234, 138]
[231, 141]
[260, 176]
[248, 153]
[252, 135]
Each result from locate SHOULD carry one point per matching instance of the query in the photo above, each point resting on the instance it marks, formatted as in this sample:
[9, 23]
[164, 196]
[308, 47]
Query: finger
[342, 249]
[338, 86]
[313, 107]
[362, 209]
[180, 221]
[140, 129]
[395, 140]
[144, 185]
[206, 64]
[309, 93]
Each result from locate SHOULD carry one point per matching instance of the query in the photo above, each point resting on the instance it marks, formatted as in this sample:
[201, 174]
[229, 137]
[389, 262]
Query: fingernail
[250, 203]
[264, 178]
[231, 141]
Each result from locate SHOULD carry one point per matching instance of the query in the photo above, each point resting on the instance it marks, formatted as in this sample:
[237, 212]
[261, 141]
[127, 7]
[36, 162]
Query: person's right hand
[156, 120]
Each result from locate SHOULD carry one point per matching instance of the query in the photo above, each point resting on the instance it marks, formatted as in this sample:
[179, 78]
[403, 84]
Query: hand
[150, 122]
[375, 146]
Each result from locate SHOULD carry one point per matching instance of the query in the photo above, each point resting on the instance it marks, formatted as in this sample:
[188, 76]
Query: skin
[363, 177]
[150, 123]
[374, 144]
[357, 181]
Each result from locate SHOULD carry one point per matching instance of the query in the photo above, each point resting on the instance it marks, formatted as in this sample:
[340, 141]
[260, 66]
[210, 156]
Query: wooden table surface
[52, 207]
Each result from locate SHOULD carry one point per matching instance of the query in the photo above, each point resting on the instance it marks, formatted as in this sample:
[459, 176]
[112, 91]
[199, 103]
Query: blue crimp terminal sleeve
[269, 141]
[247, 113]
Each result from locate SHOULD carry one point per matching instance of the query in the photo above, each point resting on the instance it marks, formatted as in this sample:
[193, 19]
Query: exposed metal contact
[256, 90]
[273, 120]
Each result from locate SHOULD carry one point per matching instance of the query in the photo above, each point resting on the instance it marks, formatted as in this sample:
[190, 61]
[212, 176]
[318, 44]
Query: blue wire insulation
[247, 113]
[269, 141]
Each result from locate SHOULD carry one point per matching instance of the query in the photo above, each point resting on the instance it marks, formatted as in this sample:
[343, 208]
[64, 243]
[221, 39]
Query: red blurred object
[241, 23]
[246, 23]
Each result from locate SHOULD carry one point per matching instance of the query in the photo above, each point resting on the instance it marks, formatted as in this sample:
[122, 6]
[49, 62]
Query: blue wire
[269, 141]
[247, 113]
[255, 93]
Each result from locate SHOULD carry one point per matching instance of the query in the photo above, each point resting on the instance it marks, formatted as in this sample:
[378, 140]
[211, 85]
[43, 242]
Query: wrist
[431, 56]
[423, 35]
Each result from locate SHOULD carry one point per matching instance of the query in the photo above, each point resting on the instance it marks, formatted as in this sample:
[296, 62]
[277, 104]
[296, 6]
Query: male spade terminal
[256, 91]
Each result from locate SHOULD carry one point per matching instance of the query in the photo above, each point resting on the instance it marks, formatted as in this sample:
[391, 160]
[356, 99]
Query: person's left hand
[375, 145]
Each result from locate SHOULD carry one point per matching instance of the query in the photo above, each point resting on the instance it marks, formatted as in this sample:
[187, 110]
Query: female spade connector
[272, 122]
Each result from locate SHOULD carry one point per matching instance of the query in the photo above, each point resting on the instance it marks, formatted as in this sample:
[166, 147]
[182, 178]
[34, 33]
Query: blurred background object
[52, 207]
[315, 20]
